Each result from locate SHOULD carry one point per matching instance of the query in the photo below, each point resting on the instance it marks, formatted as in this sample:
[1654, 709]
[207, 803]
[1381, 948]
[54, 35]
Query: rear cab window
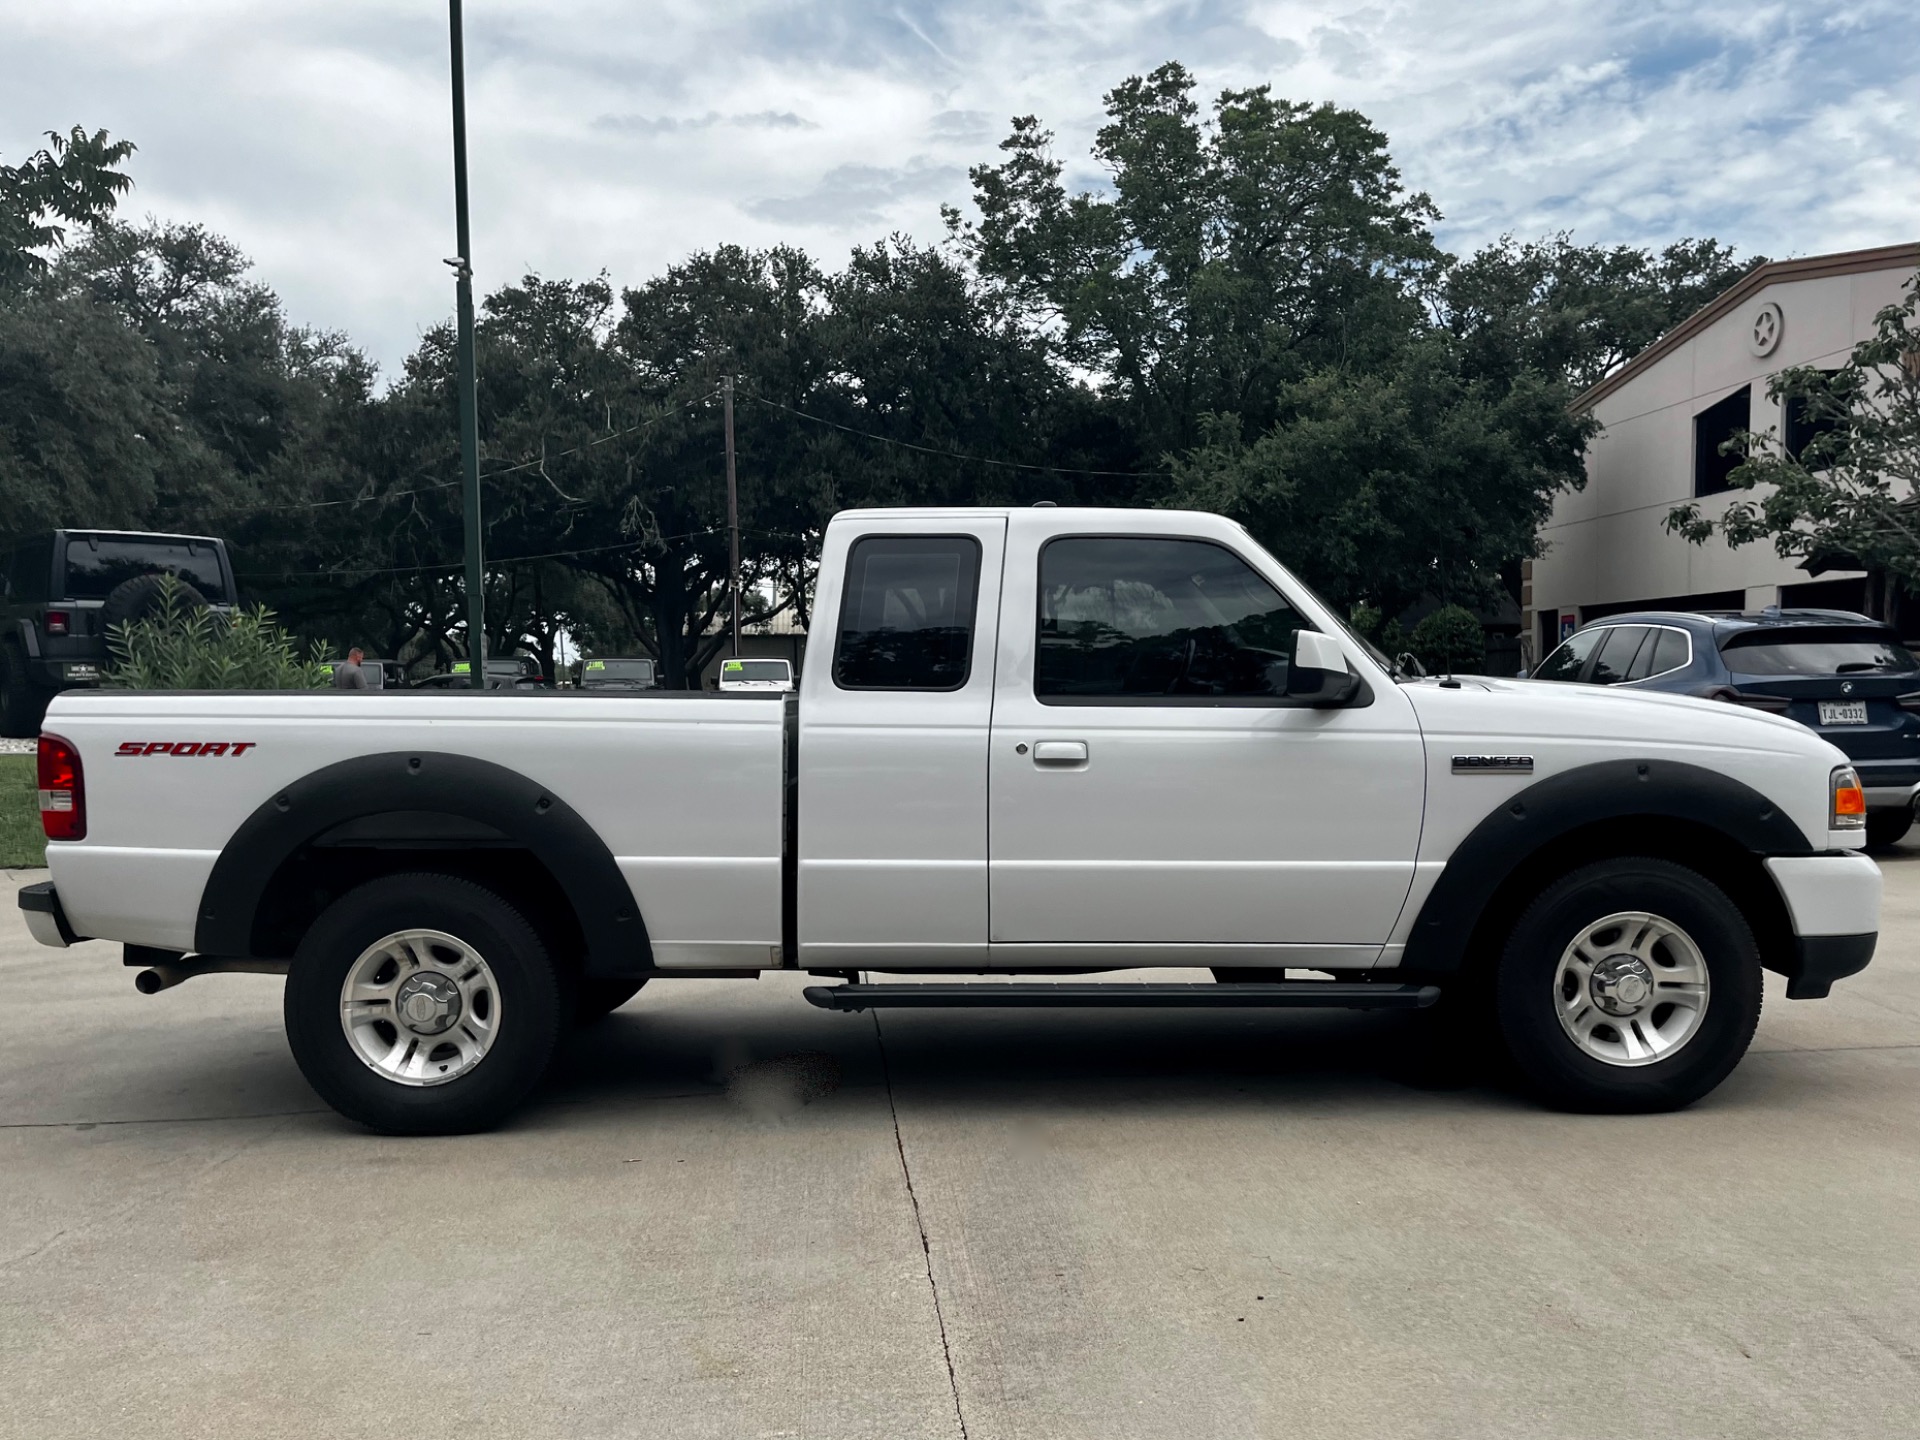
[907, 615]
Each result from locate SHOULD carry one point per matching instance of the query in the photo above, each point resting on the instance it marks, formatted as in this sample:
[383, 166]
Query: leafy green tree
[1848, 495]
[1231, 255]
[1450, 639]
[1555, 308]
[75, 179]
[1397, 481]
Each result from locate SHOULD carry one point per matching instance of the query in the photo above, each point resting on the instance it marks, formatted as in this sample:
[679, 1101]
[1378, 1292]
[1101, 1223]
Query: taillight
[1849, 800]
[59, 622]
[63, 790]
[1776, 704]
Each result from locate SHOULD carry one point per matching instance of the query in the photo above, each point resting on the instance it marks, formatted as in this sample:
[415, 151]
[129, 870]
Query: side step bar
[1293, 994]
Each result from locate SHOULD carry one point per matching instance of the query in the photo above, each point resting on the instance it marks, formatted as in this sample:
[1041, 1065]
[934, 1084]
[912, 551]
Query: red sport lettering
[190, 748]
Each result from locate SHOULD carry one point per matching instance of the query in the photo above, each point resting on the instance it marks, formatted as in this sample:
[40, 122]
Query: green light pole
[469, 401]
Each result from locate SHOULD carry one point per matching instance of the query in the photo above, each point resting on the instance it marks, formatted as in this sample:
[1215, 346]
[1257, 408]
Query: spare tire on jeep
[141, 596]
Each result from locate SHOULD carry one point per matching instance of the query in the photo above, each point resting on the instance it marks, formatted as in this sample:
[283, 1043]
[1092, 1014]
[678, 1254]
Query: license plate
[1843, 712]
[83, 672]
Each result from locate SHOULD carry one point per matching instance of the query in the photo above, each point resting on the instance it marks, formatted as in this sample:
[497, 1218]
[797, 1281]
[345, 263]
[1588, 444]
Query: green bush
[1451, 639]
[180, 646]
[1384, 633]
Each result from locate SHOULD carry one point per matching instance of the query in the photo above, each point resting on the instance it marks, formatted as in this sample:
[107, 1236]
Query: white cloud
[620, 137]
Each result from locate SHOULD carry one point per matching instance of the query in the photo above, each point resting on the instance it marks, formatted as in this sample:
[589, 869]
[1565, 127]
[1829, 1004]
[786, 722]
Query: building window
[1803, 427]
[1712, 428]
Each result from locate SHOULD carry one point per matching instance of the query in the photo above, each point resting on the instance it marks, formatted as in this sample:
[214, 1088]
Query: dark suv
[1846, 676]
[64, 588]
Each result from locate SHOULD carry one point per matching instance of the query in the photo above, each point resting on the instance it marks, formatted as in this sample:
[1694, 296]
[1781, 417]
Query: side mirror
[1317, 671]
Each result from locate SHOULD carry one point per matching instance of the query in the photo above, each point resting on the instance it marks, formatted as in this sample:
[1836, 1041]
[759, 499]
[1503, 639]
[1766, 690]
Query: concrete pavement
[731, 1215]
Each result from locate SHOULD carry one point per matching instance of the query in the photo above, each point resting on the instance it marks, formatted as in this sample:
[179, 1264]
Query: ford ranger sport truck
[1026, 742]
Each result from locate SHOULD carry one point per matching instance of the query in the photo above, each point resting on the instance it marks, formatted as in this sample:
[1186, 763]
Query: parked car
[1845, 676]
[65, 588]
[772, 676]
[619, 672]
[1064, 740]
[516, 673]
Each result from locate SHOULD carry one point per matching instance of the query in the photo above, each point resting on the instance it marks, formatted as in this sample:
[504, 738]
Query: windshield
[1818, 652]
[617, 672]
[754, 670]
[98, 563]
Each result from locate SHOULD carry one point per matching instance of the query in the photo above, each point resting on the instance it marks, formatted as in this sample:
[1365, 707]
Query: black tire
[530, 1002]
[23, 704]
[1887, 827]
[596, 998]
[139, 597]
[1552, 1063]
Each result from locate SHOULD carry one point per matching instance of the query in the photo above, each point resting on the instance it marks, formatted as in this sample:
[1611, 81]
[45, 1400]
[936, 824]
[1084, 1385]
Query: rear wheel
[1630, 985]
[1888, 827]
[422, 1005]
[23, 705]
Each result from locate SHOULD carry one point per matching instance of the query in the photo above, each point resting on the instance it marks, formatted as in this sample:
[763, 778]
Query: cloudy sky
[621, 136]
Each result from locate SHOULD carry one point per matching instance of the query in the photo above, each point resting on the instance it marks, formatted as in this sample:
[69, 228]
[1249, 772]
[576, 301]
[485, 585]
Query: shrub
[180, 646]
[1450, 639]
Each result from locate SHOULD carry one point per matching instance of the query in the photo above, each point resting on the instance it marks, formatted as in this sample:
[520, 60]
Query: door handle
[1060, 752]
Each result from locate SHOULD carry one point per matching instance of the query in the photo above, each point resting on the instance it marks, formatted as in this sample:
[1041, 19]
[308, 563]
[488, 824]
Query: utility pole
[469, 401]
[733, 516]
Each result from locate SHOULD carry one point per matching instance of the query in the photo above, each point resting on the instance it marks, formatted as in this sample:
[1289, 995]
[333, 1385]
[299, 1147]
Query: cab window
[906, 620]
[1134, 618]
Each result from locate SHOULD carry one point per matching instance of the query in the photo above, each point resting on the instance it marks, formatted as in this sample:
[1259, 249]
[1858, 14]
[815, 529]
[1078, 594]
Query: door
[892, 843]
[1154, 791]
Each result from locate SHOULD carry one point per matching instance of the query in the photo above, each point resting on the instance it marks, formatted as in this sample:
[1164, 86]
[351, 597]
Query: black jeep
[66, 588]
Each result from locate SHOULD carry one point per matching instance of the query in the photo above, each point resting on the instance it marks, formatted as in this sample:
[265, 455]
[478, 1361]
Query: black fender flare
[1569, 801]
[527, 814]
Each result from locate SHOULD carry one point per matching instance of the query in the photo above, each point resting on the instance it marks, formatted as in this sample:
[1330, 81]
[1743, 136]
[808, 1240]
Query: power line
[499, 560]
[536, 462]
[958, 455]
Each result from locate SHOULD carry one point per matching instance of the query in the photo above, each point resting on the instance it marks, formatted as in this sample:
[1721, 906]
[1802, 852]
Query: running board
[1290, 994]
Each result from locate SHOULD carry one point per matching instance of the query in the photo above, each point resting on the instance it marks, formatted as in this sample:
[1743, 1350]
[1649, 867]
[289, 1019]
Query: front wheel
[1631, 985]
[422, 1005]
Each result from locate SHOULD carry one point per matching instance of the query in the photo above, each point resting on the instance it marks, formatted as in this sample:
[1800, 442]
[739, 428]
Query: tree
[1395, 482]
[75, 179]
[1450, 639]
[1577, 311]
[1847, 495]
[1231, 256]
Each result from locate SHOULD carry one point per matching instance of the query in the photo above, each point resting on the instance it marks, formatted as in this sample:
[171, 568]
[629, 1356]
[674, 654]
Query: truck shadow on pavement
[772, 1062]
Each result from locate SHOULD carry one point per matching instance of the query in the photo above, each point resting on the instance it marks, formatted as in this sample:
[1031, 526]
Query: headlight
[1849, 801]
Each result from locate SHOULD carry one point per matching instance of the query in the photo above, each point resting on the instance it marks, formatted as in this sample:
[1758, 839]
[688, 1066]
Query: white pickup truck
[1038, 740]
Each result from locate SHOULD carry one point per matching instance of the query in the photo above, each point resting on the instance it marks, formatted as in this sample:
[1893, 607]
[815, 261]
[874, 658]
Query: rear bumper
[1834, 902]
[40, 904]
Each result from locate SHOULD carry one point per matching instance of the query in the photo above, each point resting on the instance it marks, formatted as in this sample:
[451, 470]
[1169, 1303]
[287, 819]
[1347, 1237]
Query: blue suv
[1841, 674]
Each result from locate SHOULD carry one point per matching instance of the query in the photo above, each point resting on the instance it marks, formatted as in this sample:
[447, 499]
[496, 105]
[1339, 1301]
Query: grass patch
[22, 844]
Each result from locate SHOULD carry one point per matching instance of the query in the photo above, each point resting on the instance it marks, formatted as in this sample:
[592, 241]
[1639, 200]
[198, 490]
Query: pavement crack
[159, 1120]
[920, 1224]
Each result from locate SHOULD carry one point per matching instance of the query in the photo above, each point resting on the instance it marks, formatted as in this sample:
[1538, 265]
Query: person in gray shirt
[350, 676]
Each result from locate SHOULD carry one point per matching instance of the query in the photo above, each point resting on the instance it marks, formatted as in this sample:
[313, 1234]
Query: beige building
[1665, 414]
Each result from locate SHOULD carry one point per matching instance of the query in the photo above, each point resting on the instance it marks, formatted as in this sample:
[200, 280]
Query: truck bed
[686, 789]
